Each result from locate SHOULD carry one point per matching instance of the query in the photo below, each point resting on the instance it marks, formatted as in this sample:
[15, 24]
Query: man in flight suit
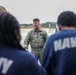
[36, 37]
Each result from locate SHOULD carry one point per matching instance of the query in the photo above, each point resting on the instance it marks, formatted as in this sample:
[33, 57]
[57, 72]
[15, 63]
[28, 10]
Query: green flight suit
[36, 39]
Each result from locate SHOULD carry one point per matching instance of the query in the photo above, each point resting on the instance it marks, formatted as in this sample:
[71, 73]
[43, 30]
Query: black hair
[36, 19]
[67, 18]
[10, 30]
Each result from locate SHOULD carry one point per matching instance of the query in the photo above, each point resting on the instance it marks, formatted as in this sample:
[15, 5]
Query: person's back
[17, 62]
[59, 57]
[14, 59]
[63, 57]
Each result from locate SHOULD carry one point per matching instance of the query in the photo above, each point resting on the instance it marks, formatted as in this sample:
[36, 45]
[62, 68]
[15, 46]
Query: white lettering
[57, 45]
[5, 64]
[66, 43]
[73, 41]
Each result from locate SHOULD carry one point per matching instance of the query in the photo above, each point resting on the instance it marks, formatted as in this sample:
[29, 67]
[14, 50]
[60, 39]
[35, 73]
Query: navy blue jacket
[59, 55]
[18, 62]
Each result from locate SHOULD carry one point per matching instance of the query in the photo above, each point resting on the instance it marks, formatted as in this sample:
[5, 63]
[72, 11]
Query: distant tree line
[43, 25]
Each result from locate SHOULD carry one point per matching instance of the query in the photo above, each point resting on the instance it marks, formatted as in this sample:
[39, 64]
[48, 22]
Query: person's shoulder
[25, 53]
[42, 30]
[29, 63]
[54, 36]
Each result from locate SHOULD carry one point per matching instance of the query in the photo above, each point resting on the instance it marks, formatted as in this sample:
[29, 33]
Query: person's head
[66, 19]
[9, 30]
[2, 9]
[36, 23]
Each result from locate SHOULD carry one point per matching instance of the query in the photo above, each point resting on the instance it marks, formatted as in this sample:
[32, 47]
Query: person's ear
[60, 27]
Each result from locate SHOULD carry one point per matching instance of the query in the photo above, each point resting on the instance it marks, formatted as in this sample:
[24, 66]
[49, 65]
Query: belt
[37, 49]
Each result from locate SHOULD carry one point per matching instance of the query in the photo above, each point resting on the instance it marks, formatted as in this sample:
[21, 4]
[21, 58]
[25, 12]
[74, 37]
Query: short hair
[2, 9]
[67, 18]
[10, 30]
[36, 19]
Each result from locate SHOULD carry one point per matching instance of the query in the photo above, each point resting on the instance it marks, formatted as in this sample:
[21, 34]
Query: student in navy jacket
[14, 60]
[59, 55]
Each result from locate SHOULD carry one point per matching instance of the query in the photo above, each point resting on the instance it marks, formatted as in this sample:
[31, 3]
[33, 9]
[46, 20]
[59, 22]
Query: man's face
[36, 24]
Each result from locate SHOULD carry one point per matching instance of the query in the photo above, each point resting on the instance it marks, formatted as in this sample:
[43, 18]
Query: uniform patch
[33, 34]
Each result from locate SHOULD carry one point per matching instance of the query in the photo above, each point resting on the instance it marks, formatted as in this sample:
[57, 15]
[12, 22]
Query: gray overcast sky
[45, 10]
